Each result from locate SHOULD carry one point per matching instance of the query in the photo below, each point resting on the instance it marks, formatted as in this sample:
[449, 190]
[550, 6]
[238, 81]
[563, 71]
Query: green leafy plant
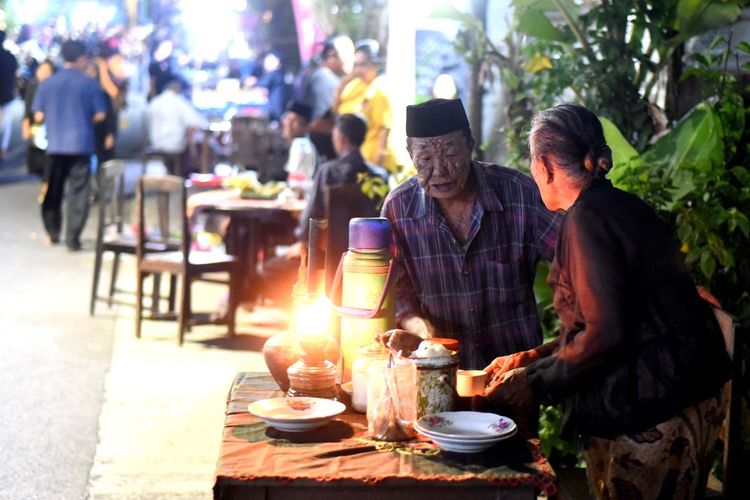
[696, 178]
[375, 188]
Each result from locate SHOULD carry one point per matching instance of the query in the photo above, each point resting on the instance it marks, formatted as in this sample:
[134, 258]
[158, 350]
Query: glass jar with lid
[369, 355]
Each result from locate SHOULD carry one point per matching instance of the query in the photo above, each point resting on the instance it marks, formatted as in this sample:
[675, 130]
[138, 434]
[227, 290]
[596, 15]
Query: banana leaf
[624, 155]
[696, 142]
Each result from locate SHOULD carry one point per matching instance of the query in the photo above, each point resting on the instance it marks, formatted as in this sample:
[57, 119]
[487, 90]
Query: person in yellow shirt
[363, 92]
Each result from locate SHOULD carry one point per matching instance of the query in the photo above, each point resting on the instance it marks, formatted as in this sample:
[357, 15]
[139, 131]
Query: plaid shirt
[480, 293]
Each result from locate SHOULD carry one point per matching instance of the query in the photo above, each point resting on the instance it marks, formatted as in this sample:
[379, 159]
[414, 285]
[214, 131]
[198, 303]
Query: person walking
[35, 133]
[69, 103]
[8, 68]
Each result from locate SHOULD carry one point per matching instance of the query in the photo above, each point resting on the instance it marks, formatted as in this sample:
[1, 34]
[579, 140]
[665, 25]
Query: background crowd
[298, 108]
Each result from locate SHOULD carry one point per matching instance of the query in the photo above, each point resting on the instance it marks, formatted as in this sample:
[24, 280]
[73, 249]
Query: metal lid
[369, 233]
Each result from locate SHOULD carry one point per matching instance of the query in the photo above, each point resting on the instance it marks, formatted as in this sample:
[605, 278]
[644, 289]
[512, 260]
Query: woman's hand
[503, 364]
[511, 394]
[708, 297]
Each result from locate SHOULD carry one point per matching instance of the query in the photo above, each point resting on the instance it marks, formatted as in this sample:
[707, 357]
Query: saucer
[298, 414]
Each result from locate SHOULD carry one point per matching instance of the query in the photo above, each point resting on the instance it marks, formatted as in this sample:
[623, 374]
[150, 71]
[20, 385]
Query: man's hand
[503, 364]
[401, 341]
[420, 326]
[25, 129]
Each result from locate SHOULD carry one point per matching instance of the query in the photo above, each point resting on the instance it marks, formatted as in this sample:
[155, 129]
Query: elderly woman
[639, 363]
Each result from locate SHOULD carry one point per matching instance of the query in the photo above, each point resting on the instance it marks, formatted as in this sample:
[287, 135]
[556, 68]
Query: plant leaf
[623, 153]
[543, 5]
[535, 23]
[696, 16]
[695, 141]
[707, 264]
[743, 224]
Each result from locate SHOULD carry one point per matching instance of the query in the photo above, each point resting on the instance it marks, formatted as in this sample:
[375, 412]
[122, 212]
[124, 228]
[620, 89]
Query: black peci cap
[436, 117]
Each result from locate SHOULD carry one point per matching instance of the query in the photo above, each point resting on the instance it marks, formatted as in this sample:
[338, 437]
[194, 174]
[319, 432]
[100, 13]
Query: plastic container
[369, 354]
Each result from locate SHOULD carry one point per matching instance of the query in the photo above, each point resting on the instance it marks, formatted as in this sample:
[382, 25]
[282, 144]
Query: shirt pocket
[507, 282]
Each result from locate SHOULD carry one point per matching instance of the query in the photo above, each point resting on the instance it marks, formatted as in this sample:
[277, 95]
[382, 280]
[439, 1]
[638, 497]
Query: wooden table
[254, 226]
[338, 461]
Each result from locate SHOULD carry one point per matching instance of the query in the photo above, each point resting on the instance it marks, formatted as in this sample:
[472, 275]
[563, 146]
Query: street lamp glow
[28, 11]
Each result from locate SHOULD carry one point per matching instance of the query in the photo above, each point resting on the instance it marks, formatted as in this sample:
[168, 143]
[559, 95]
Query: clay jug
[283, 349]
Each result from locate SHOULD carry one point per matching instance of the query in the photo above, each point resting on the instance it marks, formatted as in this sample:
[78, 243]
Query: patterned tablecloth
[340, 454]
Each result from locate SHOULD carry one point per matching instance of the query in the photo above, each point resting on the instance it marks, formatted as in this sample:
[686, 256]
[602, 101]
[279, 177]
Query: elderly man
[468, 237]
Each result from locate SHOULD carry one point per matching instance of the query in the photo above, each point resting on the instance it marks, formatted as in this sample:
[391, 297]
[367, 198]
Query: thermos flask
[367, 298]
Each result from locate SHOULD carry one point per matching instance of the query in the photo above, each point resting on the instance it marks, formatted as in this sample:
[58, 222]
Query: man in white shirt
[171, 120]
[303, 157]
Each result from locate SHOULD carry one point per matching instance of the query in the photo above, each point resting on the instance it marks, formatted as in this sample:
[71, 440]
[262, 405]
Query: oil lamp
[313, 375]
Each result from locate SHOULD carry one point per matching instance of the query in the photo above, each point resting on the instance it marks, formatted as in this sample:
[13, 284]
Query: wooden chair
[168, 193]
[250, 142]
[171, 161]
[112, 234]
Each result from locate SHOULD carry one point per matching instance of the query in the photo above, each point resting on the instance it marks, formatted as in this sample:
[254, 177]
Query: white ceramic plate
[464, 446]
[479, 441]
[465, 425]
[296, 414]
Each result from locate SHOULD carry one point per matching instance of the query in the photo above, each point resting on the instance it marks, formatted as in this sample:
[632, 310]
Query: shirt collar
[487, 197]
[594, 186]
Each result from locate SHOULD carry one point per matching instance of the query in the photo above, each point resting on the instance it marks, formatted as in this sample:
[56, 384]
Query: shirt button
[466, 273]
[471, 308]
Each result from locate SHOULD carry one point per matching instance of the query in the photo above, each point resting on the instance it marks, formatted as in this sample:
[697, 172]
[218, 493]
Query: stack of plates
[465, 431]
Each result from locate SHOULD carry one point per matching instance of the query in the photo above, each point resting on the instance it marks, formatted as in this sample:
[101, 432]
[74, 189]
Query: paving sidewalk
[163, 411]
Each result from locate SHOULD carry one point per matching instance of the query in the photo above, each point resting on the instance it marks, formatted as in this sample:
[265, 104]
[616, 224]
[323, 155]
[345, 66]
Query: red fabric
[253, 452]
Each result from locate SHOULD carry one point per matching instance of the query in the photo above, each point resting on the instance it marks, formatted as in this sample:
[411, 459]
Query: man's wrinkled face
[443, 163]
